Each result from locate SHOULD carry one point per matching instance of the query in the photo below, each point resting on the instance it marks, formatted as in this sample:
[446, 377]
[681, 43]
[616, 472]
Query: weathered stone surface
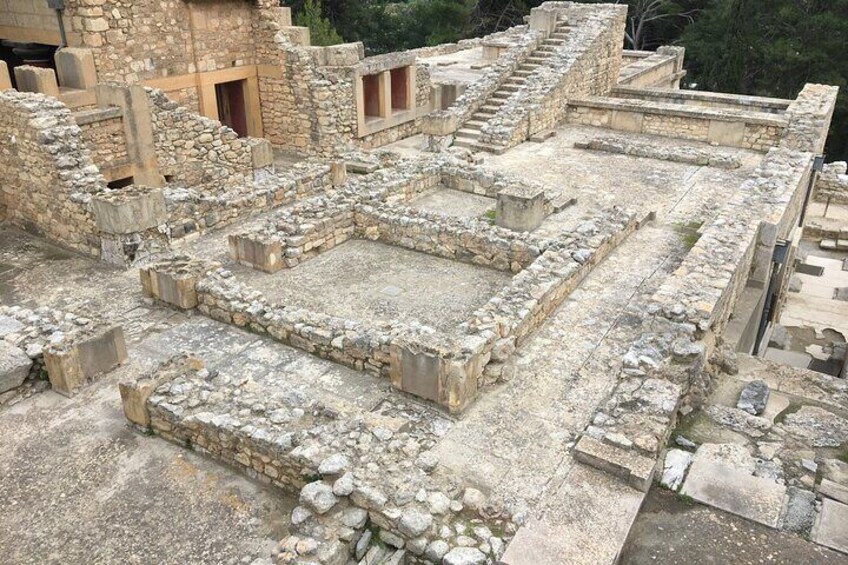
[675, 466]
[831, 528]
[800, 511]
[464, 556]
[318, 496]
[14, 366]
[754, 398]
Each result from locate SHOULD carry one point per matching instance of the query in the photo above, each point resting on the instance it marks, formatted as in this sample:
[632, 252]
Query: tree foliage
[321, 31]
[772, 49]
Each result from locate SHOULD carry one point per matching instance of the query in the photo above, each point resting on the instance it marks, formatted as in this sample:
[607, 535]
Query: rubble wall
[103, 133]
[197, 151]
[48, 175]
[832, 184]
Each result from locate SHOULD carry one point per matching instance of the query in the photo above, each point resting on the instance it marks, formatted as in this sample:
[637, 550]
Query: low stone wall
[349, 500]
[662, 69]
[676, 154]
[832, 184]
[461, 239]
[671, 363]
[65, 349]
[703, 99]
[448, 370]
[746, 130]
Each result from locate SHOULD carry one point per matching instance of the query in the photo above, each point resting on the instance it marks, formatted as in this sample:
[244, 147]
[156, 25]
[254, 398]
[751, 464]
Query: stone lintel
[131, 210]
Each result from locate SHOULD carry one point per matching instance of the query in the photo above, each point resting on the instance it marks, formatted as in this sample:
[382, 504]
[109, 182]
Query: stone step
[465, 143]
[491, 108]
[467, 134]
[520, 75]
[529, 66]
[501, 94]
[474, 124]
[512, 86]
[537, 60]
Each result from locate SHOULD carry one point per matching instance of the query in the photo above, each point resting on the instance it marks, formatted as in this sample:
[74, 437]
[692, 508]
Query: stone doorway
[232, 112]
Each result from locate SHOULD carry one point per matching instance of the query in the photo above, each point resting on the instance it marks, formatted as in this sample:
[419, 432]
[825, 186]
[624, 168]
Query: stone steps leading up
[469, 135]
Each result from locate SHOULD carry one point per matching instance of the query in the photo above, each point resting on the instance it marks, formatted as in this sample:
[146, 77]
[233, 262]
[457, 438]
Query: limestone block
[439, 124]
[261, 153]
[338, 173]
[345, 55]
[131, 210]
[36, 79]
[298, 35]
[134, 393]
[71, 366]
[75, 67]
[266, 256]
[5, 80]
[520, 208]
[174, 281]
[14, 366]
[627, 121]
[636, 470]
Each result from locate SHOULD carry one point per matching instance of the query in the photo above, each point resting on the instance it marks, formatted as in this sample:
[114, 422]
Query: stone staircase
[468, 135]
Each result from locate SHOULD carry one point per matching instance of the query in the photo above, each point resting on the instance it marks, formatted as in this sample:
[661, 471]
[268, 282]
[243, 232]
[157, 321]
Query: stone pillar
[261, 153]
[5, 80]
[520, 208]
[174, 281]
[138, 129]
[75, 67]
[37, 79]
[385, 85]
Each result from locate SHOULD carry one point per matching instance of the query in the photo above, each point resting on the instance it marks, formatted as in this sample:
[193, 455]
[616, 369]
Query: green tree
[772, 49]
[321, 31]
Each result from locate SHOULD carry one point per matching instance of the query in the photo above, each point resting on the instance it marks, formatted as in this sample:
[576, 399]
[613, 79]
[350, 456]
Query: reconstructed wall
[103, 133]
[662, 69]
[196, 151]
[735, 128]
[832, 184]
[48, 173]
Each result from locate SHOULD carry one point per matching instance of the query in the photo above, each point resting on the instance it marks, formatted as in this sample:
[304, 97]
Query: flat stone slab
[14, 366]
[834, 490]
[734, 491]
[832, 526]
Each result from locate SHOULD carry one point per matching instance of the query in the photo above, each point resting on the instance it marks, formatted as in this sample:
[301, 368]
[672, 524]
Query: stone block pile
[676, 154]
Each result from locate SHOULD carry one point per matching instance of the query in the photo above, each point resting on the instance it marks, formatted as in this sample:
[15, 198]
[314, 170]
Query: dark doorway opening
[400, 89]
[231, 108]
[372, 95]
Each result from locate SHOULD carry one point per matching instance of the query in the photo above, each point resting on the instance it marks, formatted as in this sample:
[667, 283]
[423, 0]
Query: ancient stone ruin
[460, 305]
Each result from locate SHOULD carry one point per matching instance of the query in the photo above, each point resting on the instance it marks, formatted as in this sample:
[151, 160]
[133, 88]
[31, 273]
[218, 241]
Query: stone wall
[196, 151]
[48, 173]
[662, 69]
[103, 133]
[672, 361]
[380, 487]
[703, 99]
[681, 154]
[735, 128]
[832, 184]
[146, 39]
